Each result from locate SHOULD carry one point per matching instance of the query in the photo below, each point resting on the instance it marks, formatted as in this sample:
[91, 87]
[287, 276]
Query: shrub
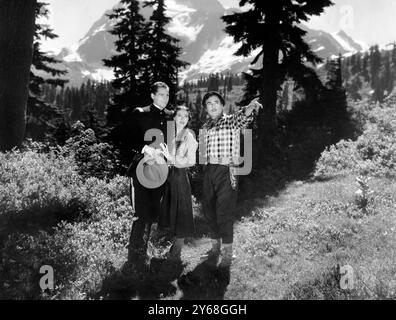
[93, 158]
[81, 253]
[49, 215]
[37, 190]
[373, 153]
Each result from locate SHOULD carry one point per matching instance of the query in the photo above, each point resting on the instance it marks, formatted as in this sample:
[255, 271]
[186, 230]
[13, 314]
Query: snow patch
[103, 27]
[319, 49]
[348, 54]
[181, 20]
[364, 45]
[99, 74]
[344, 44]
[85, 73]
[173, 8]
[217, 60]
[73, 57]
[178, 27]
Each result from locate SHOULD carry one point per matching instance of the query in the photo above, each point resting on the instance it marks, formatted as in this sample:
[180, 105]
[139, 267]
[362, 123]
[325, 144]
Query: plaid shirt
[220, 139]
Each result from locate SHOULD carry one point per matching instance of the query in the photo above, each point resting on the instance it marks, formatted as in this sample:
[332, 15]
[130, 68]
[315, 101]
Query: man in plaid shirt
[220, 152]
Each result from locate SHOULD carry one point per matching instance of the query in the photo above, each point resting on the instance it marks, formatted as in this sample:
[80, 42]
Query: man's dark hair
[211, 94]
[158, 85]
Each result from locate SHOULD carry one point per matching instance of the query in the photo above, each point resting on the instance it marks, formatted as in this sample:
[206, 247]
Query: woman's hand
[165, 151]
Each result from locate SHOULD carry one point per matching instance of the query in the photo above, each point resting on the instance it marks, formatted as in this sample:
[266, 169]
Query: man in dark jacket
[152, 118]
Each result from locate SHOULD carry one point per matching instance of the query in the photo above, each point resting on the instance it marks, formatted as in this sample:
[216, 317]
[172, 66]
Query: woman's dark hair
[177, 109]
[182, 107]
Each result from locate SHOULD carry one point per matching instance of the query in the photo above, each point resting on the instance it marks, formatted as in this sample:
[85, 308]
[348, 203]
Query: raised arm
[245, 115]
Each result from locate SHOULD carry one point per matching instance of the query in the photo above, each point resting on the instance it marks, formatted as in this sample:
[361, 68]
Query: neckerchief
[211, 123]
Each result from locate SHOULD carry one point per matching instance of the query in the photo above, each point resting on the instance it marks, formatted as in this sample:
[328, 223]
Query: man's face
[161, 97]
[214, 107]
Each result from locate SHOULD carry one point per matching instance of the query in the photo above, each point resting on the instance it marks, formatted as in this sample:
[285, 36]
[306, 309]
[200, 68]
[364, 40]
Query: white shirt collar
[158, 107]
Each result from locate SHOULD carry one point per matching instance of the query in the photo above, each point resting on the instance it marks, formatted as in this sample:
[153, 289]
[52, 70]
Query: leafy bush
[373, 153]
[93, 158]
[37, 190]
[81, 254]
[50, 215]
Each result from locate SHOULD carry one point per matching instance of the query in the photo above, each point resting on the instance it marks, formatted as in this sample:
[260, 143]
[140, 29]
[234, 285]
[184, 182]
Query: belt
[225, 161]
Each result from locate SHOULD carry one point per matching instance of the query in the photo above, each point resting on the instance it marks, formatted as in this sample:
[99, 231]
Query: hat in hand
[152, 173]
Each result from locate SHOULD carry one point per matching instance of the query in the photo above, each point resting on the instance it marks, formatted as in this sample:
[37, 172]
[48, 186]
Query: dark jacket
[142, 120]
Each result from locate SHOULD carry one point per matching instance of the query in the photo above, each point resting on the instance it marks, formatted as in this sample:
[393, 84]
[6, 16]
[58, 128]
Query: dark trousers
[147, 210]
[219, 201]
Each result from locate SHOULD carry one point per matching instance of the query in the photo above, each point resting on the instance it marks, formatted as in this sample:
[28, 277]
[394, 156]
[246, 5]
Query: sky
[370, 21]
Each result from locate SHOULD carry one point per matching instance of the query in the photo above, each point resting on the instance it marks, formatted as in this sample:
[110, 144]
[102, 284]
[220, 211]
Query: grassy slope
[290, 246]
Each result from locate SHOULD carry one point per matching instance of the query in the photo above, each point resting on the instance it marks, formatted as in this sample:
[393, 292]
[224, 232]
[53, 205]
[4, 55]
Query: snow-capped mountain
[327, 45]
[205, 45]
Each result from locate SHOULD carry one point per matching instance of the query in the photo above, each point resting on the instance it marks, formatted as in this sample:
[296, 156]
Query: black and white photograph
[207, 151]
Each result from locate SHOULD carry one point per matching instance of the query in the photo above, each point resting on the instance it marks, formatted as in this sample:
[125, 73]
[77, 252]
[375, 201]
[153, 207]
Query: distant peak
[342, 33]
[202, 5]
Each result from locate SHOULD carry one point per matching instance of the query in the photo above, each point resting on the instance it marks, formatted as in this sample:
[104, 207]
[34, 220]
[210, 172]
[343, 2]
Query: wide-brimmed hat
[152, 174]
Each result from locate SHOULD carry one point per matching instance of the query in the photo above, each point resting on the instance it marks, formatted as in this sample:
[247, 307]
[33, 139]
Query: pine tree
[41, 116]
[213, 82]
[375, 69]
[17, 24]
[353, 63]
[354, 88]
[224, 84]
[365, 67]
[163, 61]
[334, 100]
[230, 80]
[130, 62]
[273, 27]
[394, 59]
[388, 75]
[358, 62]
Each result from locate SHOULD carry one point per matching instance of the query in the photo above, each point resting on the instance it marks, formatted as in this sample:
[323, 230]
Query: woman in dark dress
[177, 214]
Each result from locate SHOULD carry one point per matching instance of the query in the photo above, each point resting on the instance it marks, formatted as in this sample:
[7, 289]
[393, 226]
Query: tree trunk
[17, 21]
[269, 88]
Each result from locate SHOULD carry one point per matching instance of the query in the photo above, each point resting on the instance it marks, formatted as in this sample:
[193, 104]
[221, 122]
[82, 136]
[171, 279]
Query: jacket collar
[210, 123]
[154, 108]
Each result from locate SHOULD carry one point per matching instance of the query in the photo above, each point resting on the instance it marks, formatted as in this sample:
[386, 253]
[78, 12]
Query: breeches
[219, 201]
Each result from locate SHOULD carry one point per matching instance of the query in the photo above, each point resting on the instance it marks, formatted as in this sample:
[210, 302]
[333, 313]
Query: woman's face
[181, 119]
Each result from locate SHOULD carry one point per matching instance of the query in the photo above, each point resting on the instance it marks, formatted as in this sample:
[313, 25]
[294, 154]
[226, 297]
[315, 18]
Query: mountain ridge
[205, 44]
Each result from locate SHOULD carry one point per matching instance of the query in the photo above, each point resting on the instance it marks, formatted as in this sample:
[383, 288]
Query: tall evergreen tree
[365, 67]
[230, 80]
[375, 69]
[129, 64]
[388, 77]
[334, 100]
[17, 23]
[354, 88]
[163, 59]
[358, 62]
[394, 59]
[41, 116]
[273, 26]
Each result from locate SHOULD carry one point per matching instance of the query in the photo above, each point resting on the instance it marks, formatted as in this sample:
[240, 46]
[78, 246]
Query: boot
[176, 248]
[226, 256]
[213, 254]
